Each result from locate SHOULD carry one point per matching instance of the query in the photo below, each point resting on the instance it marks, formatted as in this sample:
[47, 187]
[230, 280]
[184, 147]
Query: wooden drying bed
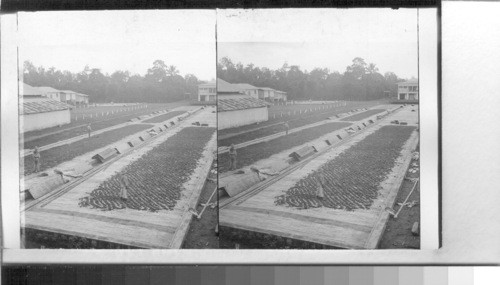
[61, 213]
[257, 210]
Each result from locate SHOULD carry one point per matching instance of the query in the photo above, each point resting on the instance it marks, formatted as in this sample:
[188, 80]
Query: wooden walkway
[358, 229]
[162, 229]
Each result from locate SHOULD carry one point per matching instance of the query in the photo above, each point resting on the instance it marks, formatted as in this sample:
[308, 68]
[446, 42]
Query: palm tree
[172, 70]
[372, 68]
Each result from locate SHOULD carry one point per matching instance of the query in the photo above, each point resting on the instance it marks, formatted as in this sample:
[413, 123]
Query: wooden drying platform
[255, 210]
[61, 214]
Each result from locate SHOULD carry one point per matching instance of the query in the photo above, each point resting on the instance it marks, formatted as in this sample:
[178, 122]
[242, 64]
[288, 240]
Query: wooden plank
[303, 218]
[98, 230]
[111, 220]
[361, 217]
[291, 228]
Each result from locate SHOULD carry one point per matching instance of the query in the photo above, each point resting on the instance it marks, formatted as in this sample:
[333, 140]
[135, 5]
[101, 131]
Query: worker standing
[321, 183]
[89, 129]
[287, 127]
[124, 185]
[36, 156]
[232, 157]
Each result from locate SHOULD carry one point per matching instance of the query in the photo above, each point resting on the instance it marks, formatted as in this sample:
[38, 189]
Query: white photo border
[429, 187]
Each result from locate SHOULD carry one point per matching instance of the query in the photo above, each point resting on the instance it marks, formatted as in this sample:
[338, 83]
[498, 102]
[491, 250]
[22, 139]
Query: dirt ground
[397, 233]
[201, 233]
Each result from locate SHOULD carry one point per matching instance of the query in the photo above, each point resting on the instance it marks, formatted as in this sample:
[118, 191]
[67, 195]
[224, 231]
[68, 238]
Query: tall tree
[360, 80]
[161, 83]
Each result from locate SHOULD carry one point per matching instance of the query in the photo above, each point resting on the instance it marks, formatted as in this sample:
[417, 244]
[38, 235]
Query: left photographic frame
[116, 149]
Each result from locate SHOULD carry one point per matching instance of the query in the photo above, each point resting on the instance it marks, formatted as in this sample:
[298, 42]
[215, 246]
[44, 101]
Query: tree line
[161, 83]
[360, 81]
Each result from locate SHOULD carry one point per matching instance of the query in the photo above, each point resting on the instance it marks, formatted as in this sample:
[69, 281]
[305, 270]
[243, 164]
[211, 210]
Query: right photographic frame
[319, 130]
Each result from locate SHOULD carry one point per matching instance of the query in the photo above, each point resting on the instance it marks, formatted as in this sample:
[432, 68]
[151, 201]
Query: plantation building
[226, 90]
[408, 90]
[207, 92]
[37, 112]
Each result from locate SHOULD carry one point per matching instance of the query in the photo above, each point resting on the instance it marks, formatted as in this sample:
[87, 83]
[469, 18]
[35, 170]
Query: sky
[120, 40]
[324, 38]
[132, 40]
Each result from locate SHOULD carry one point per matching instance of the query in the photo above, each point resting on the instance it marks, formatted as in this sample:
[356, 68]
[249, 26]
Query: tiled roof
[41, 105]
[226, 87]
[224, 105]
[29, 90]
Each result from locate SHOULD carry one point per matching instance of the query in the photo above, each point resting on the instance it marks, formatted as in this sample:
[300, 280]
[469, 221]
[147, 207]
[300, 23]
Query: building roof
[29, 90]
[224, 105]
[81, 94]
[411, 81]
[47, 89]
[246, 86]
[211, 83]
[68, 91]
[267, 88]
[226, 87]
[41, 105]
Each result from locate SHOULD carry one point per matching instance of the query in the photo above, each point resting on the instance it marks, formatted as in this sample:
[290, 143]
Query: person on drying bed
[89, 129]
[321, 184]
[124, 186]
[36, 157]
[232, 157]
